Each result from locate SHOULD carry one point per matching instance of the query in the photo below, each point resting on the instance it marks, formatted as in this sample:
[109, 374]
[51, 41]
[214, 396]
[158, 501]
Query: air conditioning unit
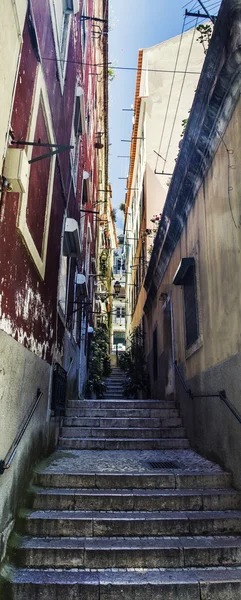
[81, 285]
[16, 170]
[71, 6]
[71, 245]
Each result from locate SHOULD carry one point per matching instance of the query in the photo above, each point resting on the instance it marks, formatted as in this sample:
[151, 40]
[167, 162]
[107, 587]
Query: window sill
[194, 347]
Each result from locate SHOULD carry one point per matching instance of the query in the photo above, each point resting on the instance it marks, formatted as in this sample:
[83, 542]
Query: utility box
[16, 170]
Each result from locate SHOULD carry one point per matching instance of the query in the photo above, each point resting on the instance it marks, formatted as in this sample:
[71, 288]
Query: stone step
[122, 413]
[80, 432]
[123, 444]
[94, 553]
[115, 383]
[116, 380]
[131, 524]
[121, 423]
[114, 390]
[113, 397]
[173, 480]
[124, 499]
[129, 404]
[129, 584]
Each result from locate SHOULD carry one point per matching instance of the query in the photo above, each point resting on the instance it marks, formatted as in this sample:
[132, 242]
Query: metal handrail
[222, 394]
[6, 462]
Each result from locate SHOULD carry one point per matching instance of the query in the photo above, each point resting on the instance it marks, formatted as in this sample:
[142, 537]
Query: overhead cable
[180, 95]
[170, 93]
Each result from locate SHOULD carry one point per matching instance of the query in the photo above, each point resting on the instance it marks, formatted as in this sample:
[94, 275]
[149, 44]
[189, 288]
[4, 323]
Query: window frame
[77, 132]
[61, 40]
[40, 97]
[179, 279]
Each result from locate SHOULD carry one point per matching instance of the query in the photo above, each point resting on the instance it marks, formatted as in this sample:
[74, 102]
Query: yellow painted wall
[13, 14]
[215, 240]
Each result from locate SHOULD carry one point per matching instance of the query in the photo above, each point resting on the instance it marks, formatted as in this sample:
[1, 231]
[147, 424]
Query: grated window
[163, 465]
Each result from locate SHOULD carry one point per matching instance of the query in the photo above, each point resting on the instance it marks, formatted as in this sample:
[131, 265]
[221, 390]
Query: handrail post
[5, 464]
[221, 395]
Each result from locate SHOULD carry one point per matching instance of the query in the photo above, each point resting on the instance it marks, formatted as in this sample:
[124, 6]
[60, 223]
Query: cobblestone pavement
[124, 461]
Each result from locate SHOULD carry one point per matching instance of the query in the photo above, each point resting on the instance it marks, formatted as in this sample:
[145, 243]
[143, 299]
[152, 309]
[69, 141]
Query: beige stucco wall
[212, 237]
[166, 99]
[169, 97]
[13, 14]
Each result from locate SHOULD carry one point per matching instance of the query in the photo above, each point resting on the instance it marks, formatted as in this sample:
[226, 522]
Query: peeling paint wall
[32, 333]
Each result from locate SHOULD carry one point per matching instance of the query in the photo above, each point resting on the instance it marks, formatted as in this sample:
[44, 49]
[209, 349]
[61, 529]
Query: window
[62, 287]
[36, 197]
[61, 11]
[83, 27]
[84, 193]
[119, 338]
[186, 276]
[78, 129]
[190, 307]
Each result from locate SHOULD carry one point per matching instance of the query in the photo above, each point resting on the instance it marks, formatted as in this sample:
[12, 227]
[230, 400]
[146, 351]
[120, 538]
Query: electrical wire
[180, 94]
[118, 68]
[170, 93]
[230, 188]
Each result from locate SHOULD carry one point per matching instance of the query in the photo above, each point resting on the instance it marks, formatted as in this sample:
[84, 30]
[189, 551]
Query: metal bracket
[96, 19]
[162, 173]
[59, 148]
[2, 467]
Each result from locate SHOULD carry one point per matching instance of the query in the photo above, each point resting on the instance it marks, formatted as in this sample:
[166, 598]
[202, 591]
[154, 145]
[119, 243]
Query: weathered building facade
[167, 77]
[193, 280]
[48, 223]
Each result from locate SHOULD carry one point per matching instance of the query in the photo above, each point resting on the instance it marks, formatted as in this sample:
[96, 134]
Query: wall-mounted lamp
[103, 296]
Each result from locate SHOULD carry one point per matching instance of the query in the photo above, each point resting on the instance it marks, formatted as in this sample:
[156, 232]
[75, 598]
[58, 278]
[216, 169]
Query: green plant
[104, 262]
[99, 362]
[205, 35]
[122, 206]
[111, 74]
[113, 214]
[184, 125]
[133, 362]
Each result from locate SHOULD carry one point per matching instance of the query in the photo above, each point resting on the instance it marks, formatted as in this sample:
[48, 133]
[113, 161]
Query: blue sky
[135, 24]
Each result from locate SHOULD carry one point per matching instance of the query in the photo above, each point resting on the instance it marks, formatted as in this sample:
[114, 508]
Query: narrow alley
[125, 509]
[120, 303]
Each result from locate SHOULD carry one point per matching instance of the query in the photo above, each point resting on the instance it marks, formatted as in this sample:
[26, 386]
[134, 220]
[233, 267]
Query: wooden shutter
[190, 306]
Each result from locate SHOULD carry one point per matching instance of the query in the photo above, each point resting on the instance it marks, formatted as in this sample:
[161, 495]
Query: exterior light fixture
[103, 296]
[117, 288]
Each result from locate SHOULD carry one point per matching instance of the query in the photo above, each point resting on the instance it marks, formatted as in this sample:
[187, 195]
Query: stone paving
[125, 461]
[105, 525]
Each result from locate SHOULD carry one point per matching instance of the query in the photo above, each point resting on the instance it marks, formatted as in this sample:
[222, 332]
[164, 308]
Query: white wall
[13, 14]
[156, 90]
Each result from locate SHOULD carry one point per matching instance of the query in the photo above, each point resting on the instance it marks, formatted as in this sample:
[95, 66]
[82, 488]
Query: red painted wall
[28, 304]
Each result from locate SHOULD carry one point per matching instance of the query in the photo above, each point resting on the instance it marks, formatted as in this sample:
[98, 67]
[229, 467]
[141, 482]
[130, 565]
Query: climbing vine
[100, 366]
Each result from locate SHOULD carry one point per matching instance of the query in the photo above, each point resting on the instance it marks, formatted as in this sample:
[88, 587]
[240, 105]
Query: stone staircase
[114, 384]
[118, 424]
[106, 524]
